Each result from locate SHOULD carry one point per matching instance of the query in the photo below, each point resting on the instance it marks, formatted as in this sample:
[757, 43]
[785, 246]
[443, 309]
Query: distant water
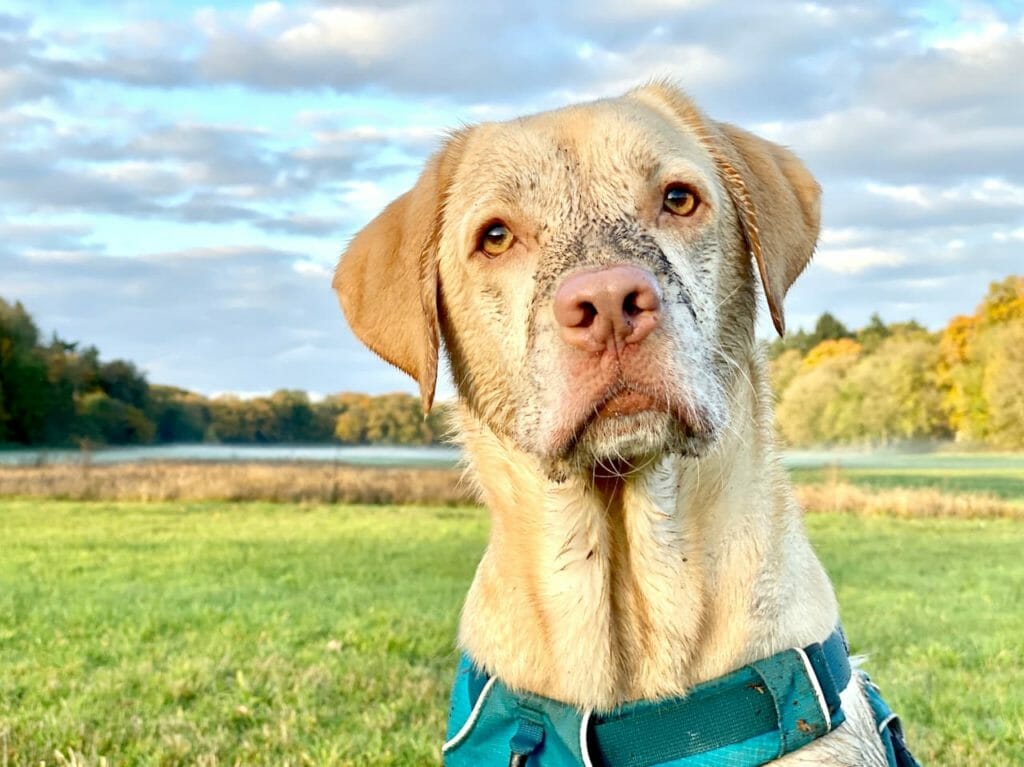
[434, 456]
[368, 455]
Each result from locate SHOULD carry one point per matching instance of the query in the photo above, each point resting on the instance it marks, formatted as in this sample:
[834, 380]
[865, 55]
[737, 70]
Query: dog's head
[590, 272]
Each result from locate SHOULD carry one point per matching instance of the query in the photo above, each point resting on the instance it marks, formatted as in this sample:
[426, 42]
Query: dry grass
[194, 481]
[847, 498]
[331, 483]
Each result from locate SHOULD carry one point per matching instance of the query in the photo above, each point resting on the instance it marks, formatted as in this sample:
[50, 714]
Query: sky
[177, 179]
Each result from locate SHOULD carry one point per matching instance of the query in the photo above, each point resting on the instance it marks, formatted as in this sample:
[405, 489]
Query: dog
[595, 273]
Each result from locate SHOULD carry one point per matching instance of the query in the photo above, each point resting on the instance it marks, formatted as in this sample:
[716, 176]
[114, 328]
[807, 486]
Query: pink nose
[608, 307]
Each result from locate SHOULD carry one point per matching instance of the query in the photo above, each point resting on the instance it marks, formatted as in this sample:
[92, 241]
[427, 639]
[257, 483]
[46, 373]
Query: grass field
[1004, 483]
[257, 633]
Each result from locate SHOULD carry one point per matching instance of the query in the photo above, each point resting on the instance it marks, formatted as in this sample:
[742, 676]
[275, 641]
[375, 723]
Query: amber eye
[496, 239]
[681, 200]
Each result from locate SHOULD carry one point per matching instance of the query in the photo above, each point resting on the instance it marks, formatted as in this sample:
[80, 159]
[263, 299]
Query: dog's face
[590, 272]
[564, 235]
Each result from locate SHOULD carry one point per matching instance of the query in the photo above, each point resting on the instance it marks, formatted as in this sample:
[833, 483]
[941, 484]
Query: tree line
[880, 384]
[57, 393]
[885, 384]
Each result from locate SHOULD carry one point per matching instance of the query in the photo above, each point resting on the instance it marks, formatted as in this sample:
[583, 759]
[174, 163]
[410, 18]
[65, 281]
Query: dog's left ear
[777, 200]
[779, 206]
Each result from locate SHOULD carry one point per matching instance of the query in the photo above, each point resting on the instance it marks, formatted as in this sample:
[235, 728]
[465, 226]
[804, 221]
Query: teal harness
[746, 718]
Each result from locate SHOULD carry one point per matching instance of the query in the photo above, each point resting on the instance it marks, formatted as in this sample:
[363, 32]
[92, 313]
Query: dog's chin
[629, 440]
[619, 444]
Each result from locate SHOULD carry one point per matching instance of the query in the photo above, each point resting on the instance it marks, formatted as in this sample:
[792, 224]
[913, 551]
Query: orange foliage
[1004, 302]
[956, 339]
[845, 349]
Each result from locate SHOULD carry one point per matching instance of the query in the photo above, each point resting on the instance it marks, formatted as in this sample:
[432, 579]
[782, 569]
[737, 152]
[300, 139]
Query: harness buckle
[527, 739]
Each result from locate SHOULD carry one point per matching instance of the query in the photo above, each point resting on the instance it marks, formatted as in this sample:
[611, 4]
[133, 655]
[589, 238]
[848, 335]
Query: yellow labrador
[590, 272]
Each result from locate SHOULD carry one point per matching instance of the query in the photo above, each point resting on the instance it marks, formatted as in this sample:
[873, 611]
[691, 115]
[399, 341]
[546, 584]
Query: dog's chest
[624, 589]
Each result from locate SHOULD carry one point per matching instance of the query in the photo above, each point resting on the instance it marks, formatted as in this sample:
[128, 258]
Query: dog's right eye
[495, 239]
[680, 200]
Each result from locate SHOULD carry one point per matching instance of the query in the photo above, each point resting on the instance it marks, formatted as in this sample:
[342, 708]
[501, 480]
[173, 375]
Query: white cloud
[842, 236]
[313, 269]
[265, 15]
[857, 260]
[996, 191]
[912, 194]
[987, 191]
[978, 42]
[1015, 234]
[55, 256]
[364, 34]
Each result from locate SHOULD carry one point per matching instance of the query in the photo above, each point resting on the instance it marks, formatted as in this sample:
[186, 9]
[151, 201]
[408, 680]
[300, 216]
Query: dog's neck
[600, 592]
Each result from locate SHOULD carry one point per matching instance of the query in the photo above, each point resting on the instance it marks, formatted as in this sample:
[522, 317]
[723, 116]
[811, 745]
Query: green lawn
[1004, 483]
[164, 634]
[1000, 474]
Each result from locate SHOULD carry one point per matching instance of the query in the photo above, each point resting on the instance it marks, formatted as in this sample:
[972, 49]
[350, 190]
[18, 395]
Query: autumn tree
[1003, 386]
[974, 355]
[121, 380]
[350, 427]
[808, 411]
[351, 422]
[892, 394]
[178, 415]
[782, 370]
[396, 419]
[105, 420]
[295, 418]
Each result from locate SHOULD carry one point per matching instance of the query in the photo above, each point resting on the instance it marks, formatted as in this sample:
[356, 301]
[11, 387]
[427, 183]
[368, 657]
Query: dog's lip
[627, 402]
[624, 401]
[617, 402]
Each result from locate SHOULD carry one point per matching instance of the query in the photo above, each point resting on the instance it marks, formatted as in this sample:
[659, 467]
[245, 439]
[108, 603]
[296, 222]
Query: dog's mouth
[627, 402]
[629, 422]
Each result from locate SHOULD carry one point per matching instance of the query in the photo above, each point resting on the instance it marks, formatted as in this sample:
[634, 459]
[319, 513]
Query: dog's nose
[617, 305]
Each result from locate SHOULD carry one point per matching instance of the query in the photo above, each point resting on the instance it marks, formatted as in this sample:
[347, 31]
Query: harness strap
[755, 714]
[785, 701]
[889, 729]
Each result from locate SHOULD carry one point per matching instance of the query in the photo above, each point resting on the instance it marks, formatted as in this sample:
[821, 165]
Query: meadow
[254, 633]
[1006, 483]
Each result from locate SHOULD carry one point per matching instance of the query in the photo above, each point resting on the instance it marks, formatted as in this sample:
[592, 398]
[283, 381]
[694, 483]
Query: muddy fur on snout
[633, 553]
[683, 428]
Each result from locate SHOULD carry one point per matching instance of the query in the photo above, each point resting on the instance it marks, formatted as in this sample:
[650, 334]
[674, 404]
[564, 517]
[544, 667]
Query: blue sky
[177, 179]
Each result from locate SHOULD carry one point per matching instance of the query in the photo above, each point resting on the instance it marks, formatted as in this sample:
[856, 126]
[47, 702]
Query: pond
[368, 455]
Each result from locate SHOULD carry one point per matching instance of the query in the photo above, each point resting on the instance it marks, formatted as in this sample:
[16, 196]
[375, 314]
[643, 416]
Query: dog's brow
[650, 168]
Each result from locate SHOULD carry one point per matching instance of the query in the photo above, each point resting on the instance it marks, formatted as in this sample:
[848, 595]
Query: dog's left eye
[680, 200]
[496, 239]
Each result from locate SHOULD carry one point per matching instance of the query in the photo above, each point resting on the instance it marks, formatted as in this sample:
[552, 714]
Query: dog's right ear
[387, 281]
[777, 200]
[779, 207]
